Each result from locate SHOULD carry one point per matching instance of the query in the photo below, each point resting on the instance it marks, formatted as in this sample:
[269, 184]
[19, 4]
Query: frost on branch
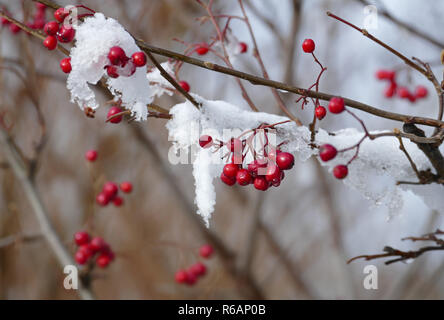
[94, 38]
[159, 85]
[374, 173]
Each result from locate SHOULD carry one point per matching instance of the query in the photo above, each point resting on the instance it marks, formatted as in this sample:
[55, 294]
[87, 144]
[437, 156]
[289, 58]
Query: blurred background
[288, 243]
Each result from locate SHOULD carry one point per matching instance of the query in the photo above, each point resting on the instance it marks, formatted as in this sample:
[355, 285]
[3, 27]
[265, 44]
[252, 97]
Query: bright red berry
[243, 47]
[139, 59]
[181, 276]
[87, 250]
[198, 269]
[126, 187]
[230, 170]
[91, 155]
[227, 180]
[103, 260]
[308, 46]
[110, 189]
[421, 92]
[320, 112]
[243, 177]
[336, 105]
[327, 152]
[60, 14]
[117, 56]
[273, 172]
[206, 251]
[112, 112]
[65, 65]
[51, 28]
[261, 184]
[112, 72]
[97, 244]
[403, 92]
[102, 199]
[81, 237]
[390, 90]
[66, 34]
[118, 201]
[340, 171]
[202, 49]
[80, 257]
[386, 75]
[50, 42]
[205, 141]
[185, 86]
[285, 160]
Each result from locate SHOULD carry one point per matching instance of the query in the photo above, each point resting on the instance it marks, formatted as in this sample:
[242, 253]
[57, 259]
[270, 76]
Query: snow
[94, 37]
[374, 173]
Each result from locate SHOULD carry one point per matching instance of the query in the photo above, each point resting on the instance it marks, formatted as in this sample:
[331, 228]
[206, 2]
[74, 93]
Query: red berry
[118, 201]
[66, 34]
[205, 141]
[81, 237]
[227, 180]
[117, 56]
[50, 42]
[285, 160]
[97, 244]
[320, 112]
[40, 6]
[198, 269]
[39, 24]
[243, 47]
[181, 276]
[202, 49]
[191, 279]
[110, 189]
[102, 199]
[273, 172]
[60, 14]
[51, 28]
[261, 184]
[327, 152]
[230, 170]
[308, 46]
[139, 59]
[103, 260]
[386, 75]
[421, 92]
[185, 86]
[4, 21]
[403, 92]
[206, 251]
[243, 177]
[87, 250]
[340, 171]
[112, 72]
[411, 98]
[235, 145]
[14, 28]
[336, 105]
[113, 111]
[126, 187]
[80, 257]
[91, 155]
[65, 65]
[390, 90]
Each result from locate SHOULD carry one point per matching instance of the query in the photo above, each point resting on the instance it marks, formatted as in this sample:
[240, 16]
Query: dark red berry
[139, 59]
[66, 34]
[80, 257]
[60, 14]
[117, 56]
[243, 177]
[205, 141]
[110, 189]
[340, 171]
[181, 276]
[97, 244]
[185, 86]
[103, 260]
[421, 92]
[51, 28]
[202, 49]
[81, 237]
[50, 42]
[285, 160]
[126, 187]
[273, 172]
[327, 152]
[243, 47]
[308, 46]
[39, 24]
[390, 90]
[118, 201]
[336, 105]
[87, 250]
[227, 180]
[261, 184]
[230, 170]
[91, 155]
[112, 72]
[386, 75]
[65, 65]
[14, 28]
[206, 251]
[102, 199]
[112, 112]
[320, 112]
[40, 6]
[191, 279]
[198, 269]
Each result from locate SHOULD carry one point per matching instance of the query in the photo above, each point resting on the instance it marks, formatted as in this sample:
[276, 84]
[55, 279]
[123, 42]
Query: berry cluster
[110, 192]
[37, 22]
[89, 249]
[195, 271]
[58, 31]
[393, 89]
[121, 65]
